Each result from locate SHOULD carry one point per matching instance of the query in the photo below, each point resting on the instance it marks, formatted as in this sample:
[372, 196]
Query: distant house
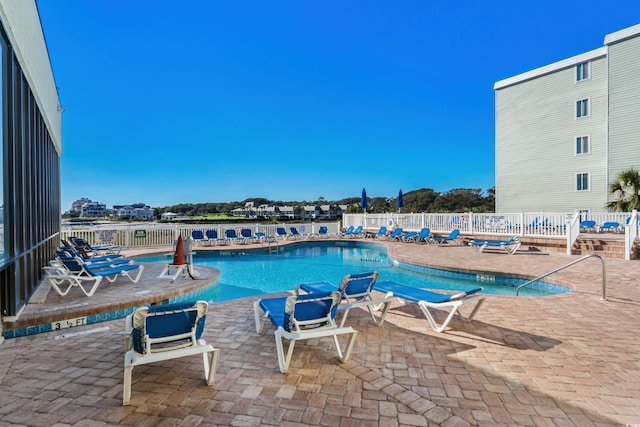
[76, 206]
[286, 212]
[564, 131]
[168, 216]
[238, 212]
[138, 211]
[310, 212]
[248, 211]
[267, 211]
[93, 210]
[331, 211]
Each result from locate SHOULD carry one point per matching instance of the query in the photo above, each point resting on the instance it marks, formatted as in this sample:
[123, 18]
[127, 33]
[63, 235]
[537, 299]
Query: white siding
[624, 106]
[535, 142]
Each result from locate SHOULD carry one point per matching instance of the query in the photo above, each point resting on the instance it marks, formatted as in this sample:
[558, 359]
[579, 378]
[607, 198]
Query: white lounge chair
[62, 282]
[74, 271]
[300, 317]
[170, 331]
[428, 300]
[355, 290]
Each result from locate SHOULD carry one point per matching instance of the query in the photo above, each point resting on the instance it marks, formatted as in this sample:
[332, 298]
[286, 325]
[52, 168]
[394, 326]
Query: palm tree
[627, 188]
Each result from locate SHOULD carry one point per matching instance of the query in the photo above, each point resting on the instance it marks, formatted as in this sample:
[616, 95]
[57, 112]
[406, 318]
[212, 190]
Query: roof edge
[618, 36]
[547, 69]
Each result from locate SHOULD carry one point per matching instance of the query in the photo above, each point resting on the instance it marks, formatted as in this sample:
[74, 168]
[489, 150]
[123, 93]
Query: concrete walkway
[564, 360]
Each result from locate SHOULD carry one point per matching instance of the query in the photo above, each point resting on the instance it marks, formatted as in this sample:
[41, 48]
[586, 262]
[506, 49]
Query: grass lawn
[217, 217]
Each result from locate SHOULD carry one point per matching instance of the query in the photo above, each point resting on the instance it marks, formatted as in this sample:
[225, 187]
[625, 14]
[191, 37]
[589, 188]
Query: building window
[582, 181]
[582, 71]
[582, 145]
[582, 108]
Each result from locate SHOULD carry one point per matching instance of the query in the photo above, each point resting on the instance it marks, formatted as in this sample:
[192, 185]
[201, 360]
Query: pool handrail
[604, 285]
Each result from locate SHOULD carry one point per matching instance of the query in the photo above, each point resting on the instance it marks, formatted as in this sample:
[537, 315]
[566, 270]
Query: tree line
[422, 200]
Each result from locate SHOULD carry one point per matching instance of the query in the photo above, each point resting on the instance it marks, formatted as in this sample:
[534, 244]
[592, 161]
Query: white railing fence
[554, 225]
[631, 234]
[151, 234]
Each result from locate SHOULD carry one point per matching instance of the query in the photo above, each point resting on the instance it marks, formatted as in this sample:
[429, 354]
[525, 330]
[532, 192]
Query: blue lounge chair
[358, 232]
[281, 232]
[247, 235]
[396, 234]
[164, 332]
[299, 317]
[348, 231]
[262, 237]
[423, 236]
[76, 265]
[198, 237]
[587, 226]
[295, 235]
[232, 237]
[355, 290]
[70, 251]
[428, 300]
[609, 226]
[323, 231]
[382, 232]
[510, 245]
[212, 236]
[74, 272]
[81, 243]
[409, 236]
[442, 240]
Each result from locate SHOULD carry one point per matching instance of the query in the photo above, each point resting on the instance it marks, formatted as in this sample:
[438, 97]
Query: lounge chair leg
[349, 347]
[126, 391]
[210, 365]
[380, 319]
[140, 270]
[259, 318]
[283, 361]
[344, 317]
[474, 311]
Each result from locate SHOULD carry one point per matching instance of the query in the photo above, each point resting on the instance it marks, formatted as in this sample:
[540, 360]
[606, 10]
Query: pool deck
[563, 360]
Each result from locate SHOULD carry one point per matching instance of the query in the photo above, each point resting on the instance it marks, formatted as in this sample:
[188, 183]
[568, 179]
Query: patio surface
[563, 360]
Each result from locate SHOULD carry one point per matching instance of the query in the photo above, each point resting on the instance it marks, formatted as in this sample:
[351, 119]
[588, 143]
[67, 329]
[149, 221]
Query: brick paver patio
[564, 360]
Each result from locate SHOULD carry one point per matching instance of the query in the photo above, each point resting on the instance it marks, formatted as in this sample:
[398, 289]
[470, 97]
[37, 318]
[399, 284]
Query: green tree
[627, 188]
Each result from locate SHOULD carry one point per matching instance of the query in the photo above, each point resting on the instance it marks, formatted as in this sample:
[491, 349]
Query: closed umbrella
[400, 201]
[363, 200]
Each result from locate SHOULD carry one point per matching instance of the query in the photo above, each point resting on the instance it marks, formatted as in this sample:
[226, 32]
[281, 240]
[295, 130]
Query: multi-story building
[564, 131]
[93, 210]
[76, 206]
[138, 211]
[31, 147]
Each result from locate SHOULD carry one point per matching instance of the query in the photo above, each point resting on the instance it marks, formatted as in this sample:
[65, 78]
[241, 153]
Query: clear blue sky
[203, 101]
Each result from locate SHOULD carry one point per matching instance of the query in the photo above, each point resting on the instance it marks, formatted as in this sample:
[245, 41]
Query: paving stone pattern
[564, 360]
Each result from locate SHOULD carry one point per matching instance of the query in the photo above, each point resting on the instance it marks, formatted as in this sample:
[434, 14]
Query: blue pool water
[249, 273]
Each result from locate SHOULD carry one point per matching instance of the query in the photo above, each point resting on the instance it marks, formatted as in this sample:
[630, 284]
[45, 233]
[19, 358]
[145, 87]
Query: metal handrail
[604, 286]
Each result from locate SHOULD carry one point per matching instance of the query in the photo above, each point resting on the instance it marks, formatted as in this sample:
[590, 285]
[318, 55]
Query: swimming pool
[256, 272]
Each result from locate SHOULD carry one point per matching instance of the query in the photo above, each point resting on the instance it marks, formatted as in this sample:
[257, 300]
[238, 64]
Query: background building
[93, 210]
[565, 130]
[136, 211]
[31, 146]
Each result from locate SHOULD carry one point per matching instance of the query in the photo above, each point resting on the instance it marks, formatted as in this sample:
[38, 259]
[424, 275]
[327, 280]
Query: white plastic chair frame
[58, 278]
[299, 333]
[187, 345]
[456, 301]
